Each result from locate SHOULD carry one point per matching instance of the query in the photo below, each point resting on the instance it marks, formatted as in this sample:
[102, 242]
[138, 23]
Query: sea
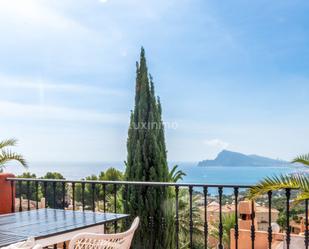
[194, 174]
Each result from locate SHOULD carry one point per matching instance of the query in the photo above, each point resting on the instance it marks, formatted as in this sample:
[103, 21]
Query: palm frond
[175, 175]
[302, 196]
[303, 181]
[7, 155]
[303, 189]
[303, 159]
[296, 181]
[8, 142]
[171, 173]
[178, 176]
[275, 183]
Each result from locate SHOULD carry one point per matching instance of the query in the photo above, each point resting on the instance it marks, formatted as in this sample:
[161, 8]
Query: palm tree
[6, 155]
[228, 221]
[296, 181]
[184, 221]
[176, 175]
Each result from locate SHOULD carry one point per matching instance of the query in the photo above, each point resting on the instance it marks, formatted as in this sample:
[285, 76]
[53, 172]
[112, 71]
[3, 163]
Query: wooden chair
[104, 241]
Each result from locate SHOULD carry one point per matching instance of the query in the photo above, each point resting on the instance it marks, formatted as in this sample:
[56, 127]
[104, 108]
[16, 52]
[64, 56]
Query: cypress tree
[146, 161]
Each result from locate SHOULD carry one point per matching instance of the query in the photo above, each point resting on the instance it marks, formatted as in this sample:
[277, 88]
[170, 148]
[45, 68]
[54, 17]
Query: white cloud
[42, 37]
[12, 82]
[216, 143]
[32, 14]
[55, 113]
[103, 1]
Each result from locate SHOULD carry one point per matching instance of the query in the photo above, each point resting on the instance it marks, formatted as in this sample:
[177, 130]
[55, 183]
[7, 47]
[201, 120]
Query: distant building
[299, 227]
[261, 216]
[261, 236]
[213, 210]
[244, 210]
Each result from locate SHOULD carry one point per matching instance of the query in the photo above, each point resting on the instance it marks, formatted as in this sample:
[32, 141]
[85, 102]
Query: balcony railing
[63, 194]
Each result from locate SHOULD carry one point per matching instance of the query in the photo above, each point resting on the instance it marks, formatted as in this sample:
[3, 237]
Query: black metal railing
[62, 194]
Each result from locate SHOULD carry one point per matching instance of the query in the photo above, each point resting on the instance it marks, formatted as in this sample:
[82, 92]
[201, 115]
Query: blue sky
[231, 74]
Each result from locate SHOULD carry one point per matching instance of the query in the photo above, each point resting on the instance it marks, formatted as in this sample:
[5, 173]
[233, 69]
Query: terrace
[133, 116]
[253, 227]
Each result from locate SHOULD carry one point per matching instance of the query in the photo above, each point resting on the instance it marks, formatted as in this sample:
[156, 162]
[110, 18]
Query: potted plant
[7, 155]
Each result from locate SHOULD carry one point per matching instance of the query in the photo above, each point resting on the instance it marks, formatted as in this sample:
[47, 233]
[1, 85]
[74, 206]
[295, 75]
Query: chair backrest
[28, 244]
[37, 247]
[104, 241]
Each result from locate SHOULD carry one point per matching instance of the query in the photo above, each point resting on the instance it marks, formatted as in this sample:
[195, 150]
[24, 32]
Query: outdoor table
[51, 226]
